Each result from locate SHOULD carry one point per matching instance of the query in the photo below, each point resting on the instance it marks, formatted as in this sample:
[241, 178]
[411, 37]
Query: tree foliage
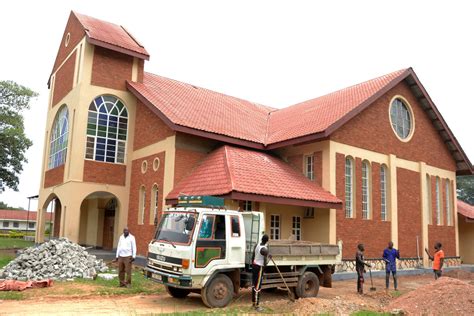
[5, 206]
[14, 99]
[465, 188]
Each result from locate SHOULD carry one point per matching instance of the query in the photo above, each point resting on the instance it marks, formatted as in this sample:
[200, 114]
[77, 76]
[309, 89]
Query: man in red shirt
[438, 259]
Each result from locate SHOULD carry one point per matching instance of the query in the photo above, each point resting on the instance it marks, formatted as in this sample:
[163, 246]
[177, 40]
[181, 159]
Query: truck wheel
[176, 292]
[308, 285]
[219, 291]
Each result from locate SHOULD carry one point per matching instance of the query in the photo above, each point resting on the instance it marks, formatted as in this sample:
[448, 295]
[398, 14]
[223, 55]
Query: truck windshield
[176, 227]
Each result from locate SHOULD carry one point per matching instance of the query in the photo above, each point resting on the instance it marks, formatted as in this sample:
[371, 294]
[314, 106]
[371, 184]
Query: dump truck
[201, 247]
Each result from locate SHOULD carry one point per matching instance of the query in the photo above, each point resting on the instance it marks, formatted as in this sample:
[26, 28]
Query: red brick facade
[103, 172]
[54, 176]
[353, 231]
[76, 33]
[318, 167]
[111, 69]
[409, 212]
[371, 129]
[297, 162]
[149, 129]
[64, 79]
[186, 160]
[144, 232]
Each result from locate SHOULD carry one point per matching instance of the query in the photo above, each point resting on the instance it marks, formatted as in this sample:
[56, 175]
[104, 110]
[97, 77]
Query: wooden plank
[269, 281]
[269, 286]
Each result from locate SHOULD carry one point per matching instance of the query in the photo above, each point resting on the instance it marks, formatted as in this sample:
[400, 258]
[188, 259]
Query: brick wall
[371, 129]
[149, 129]
[409, 212]
[111, 69]
[64, 79]
[103, 172]
[186, 160]
[76, 34]
[144, 232]
[318, 167]
[54, 176]
[296, 161]
[374, 233]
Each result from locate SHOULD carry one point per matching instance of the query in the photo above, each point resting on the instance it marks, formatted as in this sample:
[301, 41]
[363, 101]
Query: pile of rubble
[58, 259]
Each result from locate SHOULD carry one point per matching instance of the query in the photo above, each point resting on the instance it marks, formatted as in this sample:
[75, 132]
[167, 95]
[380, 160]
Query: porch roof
[244, 174]
[465, 209]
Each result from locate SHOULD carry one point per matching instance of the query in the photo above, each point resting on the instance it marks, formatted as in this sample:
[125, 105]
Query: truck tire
[176, 292]
[218, 292]
[308, 285]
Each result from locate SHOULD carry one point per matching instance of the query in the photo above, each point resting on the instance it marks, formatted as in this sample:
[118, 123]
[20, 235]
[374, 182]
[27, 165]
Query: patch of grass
[4, 260]
[10, 243]
[232, 311]
[12, 296]
[396, 293]
[140, 285]
[369, 313]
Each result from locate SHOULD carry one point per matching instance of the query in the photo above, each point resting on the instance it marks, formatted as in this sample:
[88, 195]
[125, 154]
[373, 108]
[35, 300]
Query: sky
[275, 53]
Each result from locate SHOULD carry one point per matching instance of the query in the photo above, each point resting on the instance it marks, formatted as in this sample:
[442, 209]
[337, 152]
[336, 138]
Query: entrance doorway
[109, 225]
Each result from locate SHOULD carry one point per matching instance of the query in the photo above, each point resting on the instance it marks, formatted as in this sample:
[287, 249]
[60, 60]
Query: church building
[370, 163]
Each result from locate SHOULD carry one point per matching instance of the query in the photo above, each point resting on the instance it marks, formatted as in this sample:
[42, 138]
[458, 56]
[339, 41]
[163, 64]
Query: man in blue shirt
[390, 256]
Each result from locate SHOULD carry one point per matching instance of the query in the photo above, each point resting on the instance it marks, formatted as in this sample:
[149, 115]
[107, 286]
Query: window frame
[384, 193]
[447, 193]
[110, 144]
[6, 224]
[16, 225]
[232, 217]
[58, 146]
[309, 167]
[213, 228]
[309, 212]
[246, 204]
[296, 230]
[31, 225]
[349, 198]
[273, 229]
[154, 203]
[141, 205]
[394, 125]
[439, 220]
[366, 188]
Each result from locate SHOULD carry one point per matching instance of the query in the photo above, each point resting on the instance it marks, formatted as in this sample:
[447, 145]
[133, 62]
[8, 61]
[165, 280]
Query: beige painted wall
[466, 239]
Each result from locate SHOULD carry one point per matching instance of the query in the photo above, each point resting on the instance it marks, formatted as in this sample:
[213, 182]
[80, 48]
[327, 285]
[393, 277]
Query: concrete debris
[58, 259]
[107, 276]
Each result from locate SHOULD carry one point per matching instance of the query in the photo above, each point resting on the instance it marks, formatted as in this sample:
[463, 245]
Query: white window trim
[274, 229]
[366, 188]
[296, 230]
[248, 206]
[309, 166]
[349, 207]
[412, 118]
[447, 185]
[383, 193]
[141, 205]
[429, 205]
[155, 194]
[439, 220]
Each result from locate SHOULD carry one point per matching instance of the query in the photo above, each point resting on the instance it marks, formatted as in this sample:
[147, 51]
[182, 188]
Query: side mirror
[190, 223]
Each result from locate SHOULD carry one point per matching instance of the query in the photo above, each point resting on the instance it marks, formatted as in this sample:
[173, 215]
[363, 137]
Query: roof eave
[119, 49]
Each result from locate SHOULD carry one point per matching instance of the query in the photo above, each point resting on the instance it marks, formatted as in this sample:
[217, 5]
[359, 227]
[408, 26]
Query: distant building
[370, 163]
[19, 220]
[466, 231]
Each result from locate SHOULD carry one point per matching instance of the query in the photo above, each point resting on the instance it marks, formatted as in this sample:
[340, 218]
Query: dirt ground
[339, 300]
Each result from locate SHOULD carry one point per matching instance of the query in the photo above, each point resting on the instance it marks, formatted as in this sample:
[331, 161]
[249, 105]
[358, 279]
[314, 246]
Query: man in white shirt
[126, 252]
[259, 261]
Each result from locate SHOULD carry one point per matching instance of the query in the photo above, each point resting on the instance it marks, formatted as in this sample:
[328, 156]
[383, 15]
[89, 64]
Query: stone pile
[58, 259]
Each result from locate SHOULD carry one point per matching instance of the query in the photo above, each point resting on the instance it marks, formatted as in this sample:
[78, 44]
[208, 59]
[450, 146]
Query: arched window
[383, 192]
[141, 206]
[429, 206]
[107, 130]
[365, 190]
[349, 187]
[401, 119]
[448, 202]
[154, 203]
[58, 139]
[438, 203]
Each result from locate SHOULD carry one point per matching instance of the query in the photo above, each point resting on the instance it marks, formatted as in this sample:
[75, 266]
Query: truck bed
[292, 252]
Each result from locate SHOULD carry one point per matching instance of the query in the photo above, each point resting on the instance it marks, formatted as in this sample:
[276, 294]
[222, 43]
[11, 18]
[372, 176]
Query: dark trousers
[125, 266]
[387, 279]
[257, 276]
[360, 280]
[437, 274]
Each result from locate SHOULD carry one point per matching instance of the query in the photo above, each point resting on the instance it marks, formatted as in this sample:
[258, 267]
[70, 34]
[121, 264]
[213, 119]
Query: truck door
[236, 239]
[211, 242]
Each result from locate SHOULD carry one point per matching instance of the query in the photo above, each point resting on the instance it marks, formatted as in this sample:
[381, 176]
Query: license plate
[156, 276]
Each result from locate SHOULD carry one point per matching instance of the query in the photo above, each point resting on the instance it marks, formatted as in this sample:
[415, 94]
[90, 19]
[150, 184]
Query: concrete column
[393, 198]
[425, 209]
[455, 214]
[92, 222]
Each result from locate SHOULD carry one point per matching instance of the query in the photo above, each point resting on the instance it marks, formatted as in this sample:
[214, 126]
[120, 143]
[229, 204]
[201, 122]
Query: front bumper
[179, 281]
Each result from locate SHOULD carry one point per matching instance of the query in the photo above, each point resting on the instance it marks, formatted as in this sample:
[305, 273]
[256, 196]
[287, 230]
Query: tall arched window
[141, 206]
[429, 206]
[58, 139]
[349, 187]
[154, 203]
[107, 130]
[438, 203]
[365, 190]
[448, 202]
[383, 192]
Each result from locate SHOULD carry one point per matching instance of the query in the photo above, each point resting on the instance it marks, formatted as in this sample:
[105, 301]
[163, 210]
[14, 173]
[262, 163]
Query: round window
[144, 166]
[401, 118]
[68, 38]
[156, 163]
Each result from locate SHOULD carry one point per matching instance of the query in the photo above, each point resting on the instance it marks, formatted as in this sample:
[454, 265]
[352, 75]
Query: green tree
[14, 98]
[465, 188]
[5, 206]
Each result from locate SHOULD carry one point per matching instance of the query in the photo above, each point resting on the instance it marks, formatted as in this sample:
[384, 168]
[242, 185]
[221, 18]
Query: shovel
[290, 293]
[372, 289]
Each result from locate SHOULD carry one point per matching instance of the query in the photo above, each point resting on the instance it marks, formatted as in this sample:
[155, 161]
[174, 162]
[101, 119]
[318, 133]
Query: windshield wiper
[166, 239]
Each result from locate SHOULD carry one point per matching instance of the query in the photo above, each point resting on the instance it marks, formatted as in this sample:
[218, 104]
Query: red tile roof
[465, 209]
[230, 170]
[202, 109]
[111, 36]
[21, 215]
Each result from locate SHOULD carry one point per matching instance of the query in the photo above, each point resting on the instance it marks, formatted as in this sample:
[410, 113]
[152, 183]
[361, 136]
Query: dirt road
[341, 299]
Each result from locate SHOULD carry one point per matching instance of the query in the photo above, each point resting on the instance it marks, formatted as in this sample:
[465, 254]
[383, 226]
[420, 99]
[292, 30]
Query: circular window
[156, 163]
[66, 41]
[144, 166]
[401, 119]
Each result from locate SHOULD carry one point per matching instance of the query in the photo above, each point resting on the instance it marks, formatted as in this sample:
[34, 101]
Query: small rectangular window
[235, 223]
[6, 224]
[207, 225]
[31, 225]
[309, 167]
[274, 226]
[296, 229]
[309, 212]
[248, 206]
[16, 224]
[219, 227]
